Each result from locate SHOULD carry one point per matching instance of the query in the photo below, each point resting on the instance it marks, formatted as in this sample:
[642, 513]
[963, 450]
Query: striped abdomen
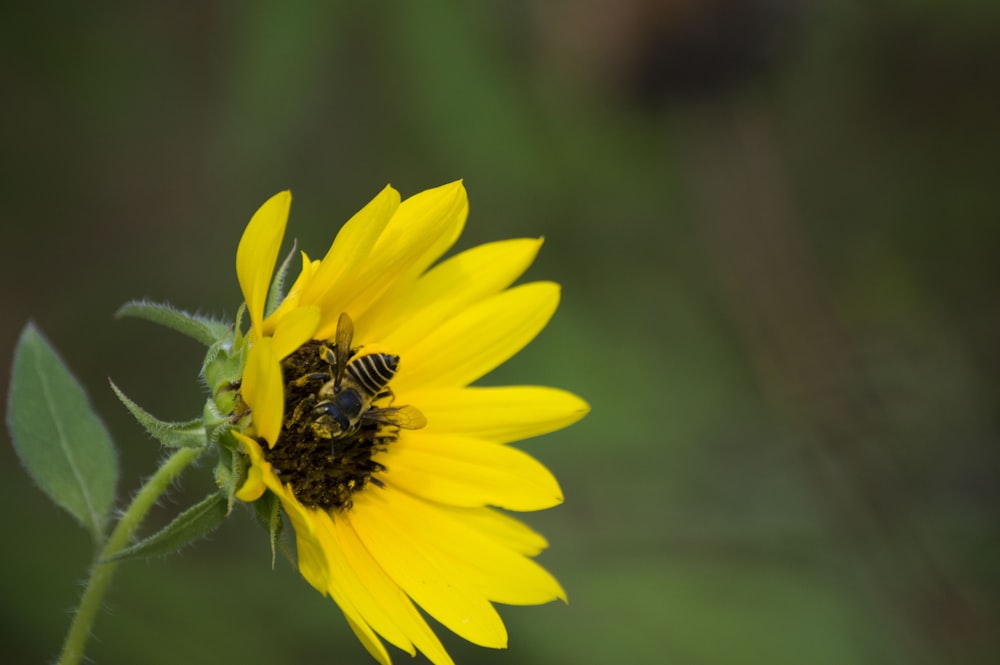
[371, 373]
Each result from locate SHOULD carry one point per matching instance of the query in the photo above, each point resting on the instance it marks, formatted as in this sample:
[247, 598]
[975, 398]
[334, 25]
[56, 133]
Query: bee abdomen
[373, 371]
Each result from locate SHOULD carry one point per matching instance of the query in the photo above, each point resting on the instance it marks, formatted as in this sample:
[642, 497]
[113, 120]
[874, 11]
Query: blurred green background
[776, 225]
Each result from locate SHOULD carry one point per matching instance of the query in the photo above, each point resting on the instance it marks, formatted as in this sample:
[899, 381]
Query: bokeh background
[776, 224]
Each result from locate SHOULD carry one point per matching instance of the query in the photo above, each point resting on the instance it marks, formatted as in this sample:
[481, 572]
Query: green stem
[100, 574]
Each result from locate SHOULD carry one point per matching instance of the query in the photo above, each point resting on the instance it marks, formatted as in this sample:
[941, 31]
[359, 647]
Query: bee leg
[324, 427]
[378, 468]
[328, 355]
[303, 408]
[306, 379]
[385, 394]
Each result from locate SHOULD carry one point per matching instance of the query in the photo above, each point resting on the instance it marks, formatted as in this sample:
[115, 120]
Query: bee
[343, 403]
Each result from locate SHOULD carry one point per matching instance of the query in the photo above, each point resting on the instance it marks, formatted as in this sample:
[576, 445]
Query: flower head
[362, 421]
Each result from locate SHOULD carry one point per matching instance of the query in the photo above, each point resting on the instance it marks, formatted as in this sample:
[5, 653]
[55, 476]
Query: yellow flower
[389, 466]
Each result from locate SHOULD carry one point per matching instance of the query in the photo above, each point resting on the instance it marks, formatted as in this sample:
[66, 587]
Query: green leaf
[205, 330]
[277, 292]
[190, 434]
[194, 523]
[59, 439]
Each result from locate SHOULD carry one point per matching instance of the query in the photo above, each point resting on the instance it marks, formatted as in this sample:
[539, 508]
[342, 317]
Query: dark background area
[776, 226]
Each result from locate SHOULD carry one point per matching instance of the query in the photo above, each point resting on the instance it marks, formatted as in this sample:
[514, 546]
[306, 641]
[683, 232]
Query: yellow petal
[308, 548]
[257, 253]
[392, 537]
[313, 547]
[369, 640]
[409, 315]
[352, 246]
[291, 299]
[501, 414]
[341, 585]
[254, 487]
[472, 560]
[263, 389]
[295, 329]
[345, 583]
[376, 599]
[331, 586]
[479, 339]
[460, 471]
[388, 595]
[502, 528]
[312, 559]
[423, 227]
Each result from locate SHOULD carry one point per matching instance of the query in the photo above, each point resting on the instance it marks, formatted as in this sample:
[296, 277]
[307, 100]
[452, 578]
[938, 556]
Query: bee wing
[407, 417]
[345, 332]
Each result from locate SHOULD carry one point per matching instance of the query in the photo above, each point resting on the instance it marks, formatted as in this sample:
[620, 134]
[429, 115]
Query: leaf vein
[97, 527]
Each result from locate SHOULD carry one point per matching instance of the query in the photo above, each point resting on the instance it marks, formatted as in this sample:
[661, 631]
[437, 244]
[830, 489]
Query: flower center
[338, 414]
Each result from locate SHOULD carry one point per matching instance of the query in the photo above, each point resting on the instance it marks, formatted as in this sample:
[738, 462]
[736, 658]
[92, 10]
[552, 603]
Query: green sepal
[223, 372]
[216, 425]
[59, 438]
[193, 524]
[205, 330]
[267, 509]
[190, 434]
[239, 340]
[277, 291]
[230, 472]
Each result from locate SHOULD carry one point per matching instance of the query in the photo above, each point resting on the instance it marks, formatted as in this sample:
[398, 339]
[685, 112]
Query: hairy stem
[100, 573]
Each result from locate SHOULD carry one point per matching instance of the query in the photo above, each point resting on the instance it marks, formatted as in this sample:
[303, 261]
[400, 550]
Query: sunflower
[391, 468]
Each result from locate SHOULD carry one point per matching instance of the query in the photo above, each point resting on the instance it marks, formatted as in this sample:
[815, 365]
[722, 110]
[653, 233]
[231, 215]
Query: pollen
[325, 468]
[334, 416]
